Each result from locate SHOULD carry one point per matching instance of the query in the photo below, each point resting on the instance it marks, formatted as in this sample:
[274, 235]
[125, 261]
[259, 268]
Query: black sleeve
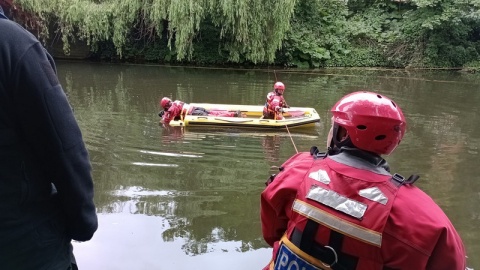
[48, 125]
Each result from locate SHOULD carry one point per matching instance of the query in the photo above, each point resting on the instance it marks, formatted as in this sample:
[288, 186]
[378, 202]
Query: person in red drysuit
[344, 210]
[177, 109]
[275, 103]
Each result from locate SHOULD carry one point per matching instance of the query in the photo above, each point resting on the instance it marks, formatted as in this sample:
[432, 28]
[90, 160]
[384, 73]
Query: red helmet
[166, 103]
[374, 122]
[279, 87]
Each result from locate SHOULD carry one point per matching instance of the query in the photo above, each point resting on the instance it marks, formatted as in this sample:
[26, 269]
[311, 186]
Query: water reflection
[172, 134]
[196, 191]
[134, 242]
[271, 147]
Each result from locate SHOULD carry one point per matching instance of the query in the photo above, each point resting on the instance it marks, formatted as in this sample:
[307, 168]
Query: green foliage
[424, 33]
[208, 46]
[472, 67]
[253, 29]
[309, 34]
[317, 33]
[449, 46]
[382, 23]
[359, 57]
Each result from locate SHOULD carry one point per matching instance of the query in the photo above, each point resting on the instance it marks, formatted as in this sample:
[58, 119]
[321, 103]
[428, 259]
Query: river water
[189, 198]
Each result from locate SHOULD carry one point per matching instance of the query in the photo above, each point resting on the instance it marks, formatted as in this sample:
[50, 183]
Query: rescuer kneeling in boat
[343, 209]
[176, 110]
[275, 102]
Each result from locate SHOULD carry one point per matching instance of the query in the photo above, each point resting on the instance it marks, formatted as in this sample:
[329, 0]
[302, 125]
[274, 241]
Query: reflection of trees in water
[211, 197]
[271, 148]
[191, 218]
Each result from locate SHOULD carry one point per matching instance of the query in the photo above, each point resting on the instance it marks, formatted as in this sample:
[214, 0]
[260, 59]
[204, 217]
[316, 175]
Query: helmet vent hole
[361, 127]
[394, 105]
[379, 96]
[380, 137]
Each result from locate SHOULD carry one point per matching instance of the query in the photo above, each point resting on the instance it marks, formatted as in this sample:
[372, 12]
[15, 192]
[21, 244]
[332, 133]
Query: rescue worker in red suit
[178, 110]
[275, 103]
[344, 209]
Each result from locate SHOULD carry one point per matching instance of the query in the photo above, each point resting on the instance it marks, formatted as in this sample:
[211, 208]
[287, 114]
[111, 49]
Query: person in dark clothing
[46, 187]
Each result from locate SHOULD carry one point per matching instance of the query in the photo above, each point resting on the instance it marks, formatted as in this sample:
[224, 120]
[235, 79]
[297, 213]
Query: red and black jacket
[346, 211]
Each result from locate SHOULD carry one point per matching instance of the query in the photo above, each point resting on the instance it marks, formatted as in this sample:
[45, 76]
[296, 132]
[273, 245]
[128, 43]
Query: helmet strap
[340, 142]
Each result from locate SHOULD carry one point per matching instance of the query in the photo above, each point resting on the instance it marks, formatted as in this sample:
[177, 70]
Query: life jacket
[177, 107]
[274, 102]
[270, 96]
[184, 108]
[338, 216]
[177, 111]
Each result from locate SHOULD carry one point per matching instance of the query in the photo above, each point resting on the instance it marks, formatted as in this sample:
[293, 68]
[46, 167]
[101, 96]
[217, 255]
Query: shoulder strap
[398, 180]
[315, 153]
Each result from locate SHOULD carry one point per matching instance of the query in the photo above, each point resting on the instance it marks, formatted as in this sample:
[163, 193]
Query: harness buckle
[398, 178]
[270, 179]
[334, 260]
[316, 153]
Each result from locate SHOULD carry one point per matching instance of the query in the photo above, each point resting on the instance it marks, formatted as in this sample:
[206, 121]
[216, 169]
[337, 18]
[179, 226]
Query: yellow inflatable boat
[250, 116]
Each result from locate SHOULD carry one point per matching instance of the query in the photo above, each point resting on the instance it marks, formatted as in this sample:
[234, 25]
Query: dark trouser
[268, 115]
[44, 248]
[199, 111]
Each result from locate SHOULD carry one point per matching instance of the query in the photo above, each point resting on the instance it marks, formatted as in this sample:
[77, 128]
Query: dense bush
[315, 33]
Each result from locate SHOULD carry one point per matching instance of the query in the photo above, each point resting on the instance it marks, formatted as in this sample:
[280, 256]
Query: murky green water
[189, 199]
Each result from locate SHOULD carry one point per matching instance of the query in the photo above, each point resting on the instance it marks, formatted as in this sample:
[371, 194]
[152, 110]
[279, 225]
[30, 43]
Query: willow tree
[253, 29]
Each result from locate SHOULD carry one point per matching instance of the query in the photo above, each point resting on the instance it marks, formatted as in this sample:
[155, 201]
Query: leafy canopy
[253, 28]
